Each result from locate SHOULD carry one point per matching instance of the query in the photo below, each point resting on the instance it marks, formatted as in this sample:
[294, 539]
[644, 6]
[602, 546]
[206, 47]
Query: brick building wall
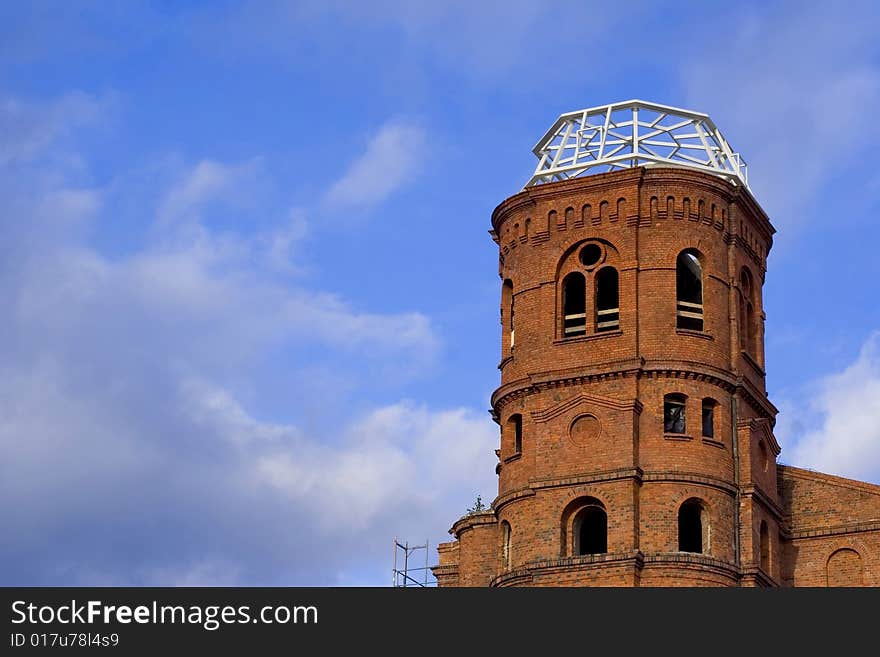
[582, 403]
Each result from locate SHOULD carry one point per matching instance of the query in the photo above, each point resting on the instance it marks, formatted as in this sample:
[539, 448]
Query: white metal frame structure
[631, 134]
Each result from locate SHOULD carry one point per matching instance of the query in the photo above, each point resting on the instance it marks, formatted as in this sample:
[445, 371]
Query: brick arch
[687, 493]
[701, 246]
[710, 519]
[845, 567]
[565, 250]
[584, 497]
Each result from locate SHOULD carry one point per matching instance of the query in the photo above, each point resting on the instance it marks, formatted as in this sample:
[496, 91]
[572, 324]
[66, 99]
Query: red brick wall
[592, 406]
[834, 529]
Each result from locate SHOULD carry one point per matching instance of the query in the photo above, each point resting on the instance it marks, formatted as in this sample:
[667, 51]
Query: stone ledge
[588, 338]
[586, 562]
[471, 520]
[837, 530]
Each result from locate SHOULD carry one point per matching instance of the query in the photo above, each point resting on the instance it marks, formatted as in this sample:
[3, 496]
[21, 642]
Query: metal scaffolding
[404, 574]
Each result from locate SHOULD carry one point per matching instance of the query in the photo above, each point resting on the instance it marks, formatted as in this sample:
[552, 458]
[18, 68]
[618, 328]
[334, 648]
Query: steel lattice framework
[631, 134]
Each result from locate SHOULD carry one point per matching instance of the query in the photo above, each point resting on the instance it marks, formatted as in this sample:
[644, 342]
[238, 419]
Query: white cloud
[200, 573]
[132, 414]
[27, 129]
[281, 243]
[844, 434]
[392, 159]
[397, 456]
[208, 181]
[796, 108]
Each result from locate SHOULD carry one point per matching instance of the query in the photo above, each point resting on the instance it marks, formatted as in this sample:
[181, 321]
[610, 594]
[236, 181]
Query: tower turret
[636, 442]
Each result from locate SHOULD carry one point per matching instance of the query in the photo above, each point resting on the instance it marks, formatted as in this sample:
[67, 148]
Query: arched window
[507, 310]
[591, 530]
[505, 545]
[844, 568]
[748, 328]
[765, 547]
[607, 300]
[574, 305]
[763, 457]
[674, 413]
[689, 291]
[690, 526]
[514, 425]
[709, 417]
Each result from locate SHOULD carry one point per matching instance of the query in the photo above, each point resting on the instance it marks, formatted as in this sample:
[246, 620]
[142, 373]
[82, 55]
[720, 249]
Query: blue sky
[250, 321]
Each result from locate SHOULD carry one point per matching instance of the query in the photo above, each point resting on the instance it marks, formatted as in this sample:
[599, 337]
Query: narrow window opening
[505, 545]
[607, 300]
[690, 527]
[674, 414]
[750, 327]
[507, 312]
[574, 303]
[515, 426]
[709, 418]
[765, 547]
[689, 291]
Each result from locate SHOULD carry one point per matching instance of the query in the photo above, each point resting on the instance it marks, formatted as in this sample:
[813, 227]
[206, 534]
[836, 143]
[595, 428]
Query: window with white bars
[689, 291]
[574, 305]
[607, 300]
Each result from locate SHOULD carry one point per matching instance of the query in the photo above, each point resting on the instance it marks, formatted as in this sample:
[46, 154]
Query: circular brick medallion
[584, 430]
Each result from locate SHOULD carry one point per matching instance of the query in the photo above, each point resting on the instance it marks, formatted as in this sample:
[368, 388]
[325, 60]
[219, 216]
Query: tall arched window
[507, 310]
[607, 300]
[674, 413]
[505, 545]
[689, 291]
[765, 547]
[591, 530]
[690, 526]
[748, 327]
[574, 305]
[514, 427]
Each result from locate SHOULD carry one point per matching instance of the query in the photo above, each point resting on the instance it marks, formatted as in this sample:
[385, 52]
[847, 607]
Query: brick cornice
[674, 476]
[774, 507]
[637, 560]
[703, 561]
[507, 498]
[527, 571]
[762, 426]
[564, 188]
[759, 400]
[445, 571]
[760, 576]
[837, 530]
[786, 471]
[588, 478]
[472, 520]
[680, 369]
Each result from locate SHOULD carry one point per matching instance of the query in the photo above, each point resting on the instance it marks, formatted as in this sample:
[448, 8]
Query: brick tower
[637, 443]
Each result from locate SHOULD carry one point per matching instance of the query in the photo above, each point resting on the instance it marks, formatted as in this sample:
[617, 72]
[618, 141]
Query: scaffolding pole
[403, 574]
